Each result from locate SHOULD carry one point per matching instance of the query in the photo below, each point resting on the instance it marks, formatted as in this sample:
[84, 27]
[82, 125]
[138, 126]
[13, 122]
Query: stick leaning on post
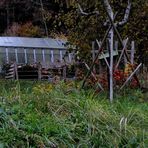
[99, 51]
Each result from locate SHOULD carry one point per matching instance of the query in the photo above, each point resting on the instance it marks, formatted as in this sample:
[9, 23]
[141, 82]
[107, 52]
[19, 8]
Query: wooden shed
[23, 50]
[31, 50]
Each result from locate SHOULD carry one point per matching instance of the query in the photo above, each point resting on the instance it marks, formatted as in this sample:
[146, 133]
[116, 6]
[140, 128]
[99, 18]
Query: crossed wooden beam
[100, 50]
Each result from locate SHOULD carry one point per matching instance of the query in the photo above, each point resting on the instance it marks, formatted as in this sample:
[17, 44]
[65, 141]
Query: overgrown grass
[37, 114]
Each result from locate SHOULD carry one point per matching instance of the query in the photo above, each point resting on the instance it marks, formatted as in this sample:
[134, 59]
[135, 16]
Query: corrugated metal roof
[26, 42]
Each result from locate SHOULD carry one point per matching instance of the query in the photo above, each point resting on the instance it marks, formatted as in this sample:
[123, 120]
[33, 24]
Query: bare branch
[108, 7]
[87, 14]
[43, 17]
[126, 15]
[106, 23]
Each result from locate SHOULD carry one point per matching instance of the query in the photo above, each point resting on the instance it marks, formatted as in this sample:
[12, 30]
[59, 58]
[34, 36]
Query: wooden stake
[132, 74]
[99, 51]
[16, 71]
[94, 77]
[93, 54]
[119, 60]
[132, 52]
[39, 71]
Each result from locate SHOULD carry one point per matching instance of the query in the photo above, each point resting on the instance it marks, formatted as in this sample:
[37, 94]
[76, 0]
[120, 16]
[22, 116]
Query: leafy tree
[81, 30]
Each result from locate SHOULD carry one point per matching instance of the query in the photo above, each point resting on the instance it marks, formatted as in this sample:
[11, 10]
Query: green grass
[37, 114]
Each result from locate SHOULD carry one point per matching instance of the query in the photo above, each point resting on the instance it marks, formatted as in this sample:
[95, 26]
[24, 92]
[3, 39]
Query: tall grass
[38, 114]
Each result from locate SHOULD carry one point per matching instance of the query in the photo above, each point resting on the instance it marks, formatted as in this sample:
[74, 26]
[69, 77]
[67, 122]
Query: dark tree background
[61, 18]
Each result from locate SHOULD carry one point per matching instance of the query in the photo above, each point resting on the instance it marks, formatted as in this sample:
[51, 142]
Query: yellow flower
[42, 88]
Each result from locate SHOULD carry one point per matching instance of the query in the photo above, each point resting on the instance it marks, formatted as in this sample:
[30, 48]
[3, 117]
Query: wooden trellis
[109, 36]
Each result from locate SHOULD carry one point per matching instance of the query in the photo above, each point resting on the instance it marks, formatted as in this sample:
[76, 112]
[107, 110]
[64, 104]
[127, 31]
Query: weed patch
[38, 114]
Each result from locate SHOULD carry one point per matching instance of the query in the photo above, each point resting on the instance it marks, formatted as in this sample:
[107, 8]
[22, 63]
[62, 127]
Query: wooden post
[34, 55]
[7, 55]
[100, 65]
[111, 39]
[132, 52]
[93, 51]
[52, 56]
[64, 72]
[16, 71]
[116, 49]
[43, 56]
[69, 57]
[16, 55]
[93, 54]
[61, 56]
[39, 71]
[25, 52]
[111, 46]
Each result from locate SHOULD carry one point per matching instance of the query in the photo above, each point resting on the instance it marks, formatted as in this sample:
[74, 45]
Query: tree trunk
[110, 39]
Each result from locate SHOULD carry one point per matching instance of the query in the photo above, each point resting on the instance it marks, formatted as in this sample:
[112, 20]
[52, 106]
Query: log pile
[35, 72]
[10, 71]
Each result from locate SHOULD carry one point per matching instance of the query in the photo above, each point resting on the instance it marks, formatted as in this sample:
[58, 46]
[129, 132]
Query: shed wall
[29, 55]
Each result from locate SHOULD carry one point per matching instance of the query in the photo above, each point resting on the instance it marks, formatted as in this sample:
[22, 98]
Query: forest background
[62, 19]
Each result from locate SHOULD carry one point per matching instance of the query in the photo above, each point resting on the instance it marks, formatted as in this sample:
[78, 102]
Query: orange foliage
[26, 30]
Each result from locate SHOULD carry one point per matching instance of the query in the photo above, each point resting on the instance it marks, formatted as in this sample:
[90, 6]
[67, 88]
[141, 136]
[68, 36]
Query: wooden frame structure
[109, 36]
[41, 54]
[21, 50]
